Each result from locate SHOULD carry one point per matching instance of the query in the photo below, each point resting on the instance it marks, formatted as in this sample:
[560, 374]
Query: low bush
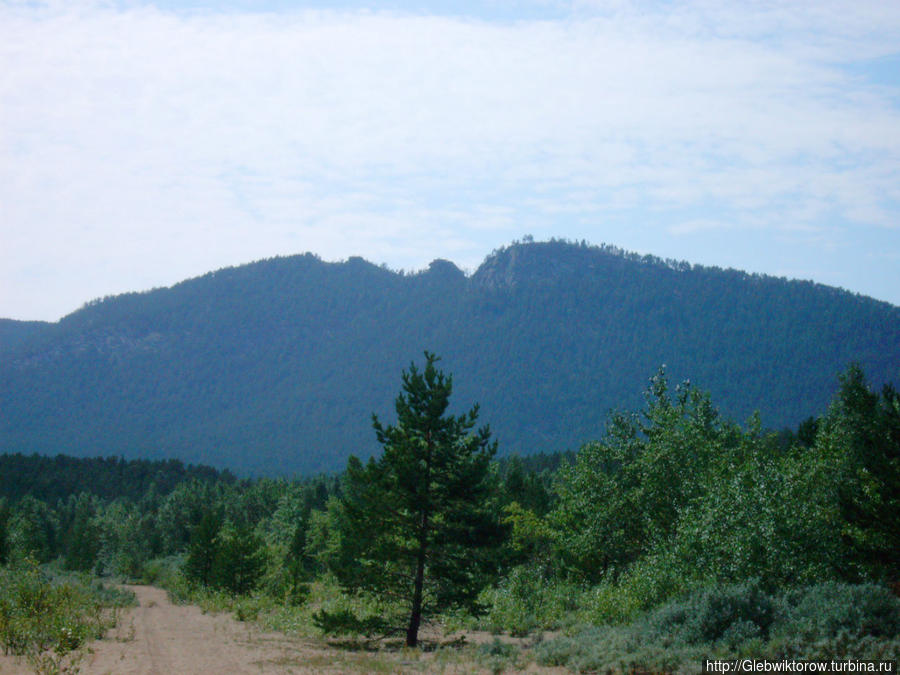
[729, 615]
[526, 601]
[838, 621]
[826, 621]
[45, 619]
[498, 656]
[828, 609]
[162, 571]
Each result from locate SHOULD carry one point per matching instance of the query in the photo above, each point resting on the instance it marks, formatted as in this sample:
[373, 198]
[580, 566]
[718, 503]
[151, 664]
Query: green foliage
[45, 620]
[298, 564]
[677, 534]
[498, 656]
[649, 582]
[861, 436]
[324, 539]
[419, 525]
[4, 531]
[163, 572]
[53, 478]
[239, 560]
[528, 488]
[346, 622]
[623, 496]
[81, 534]
[33, 530]
[829, 621]
[529, 600]
[725, 614]
[762, 514]
[831, 609]
[676, 499]
[199, 566]
[532, 538]
[130, 537]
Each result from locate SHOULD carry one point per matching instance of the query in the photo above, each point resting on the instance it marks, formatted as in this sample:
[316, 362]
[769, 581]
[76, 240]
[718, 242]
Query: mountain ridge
[276, 366]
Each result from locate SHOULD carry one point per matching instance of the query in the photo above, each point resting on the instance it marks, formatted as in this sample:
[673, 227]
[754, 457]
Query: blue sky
[144, 143]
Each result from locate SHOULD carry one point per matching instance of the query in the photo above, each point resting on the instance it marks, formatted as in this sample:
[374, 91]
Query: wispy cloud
[140, 146]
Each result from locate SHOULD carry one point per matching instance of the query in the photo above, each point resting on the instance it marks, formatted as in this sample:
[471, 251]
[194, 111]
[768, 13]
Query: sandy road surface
[159, 638]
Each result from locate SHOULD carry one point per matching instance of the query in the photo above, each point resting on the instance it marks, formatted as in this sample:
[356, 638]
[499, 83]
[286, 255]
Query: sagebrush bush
[622, 649]
[835, 621]
[731, 613]
[825, 610]
[825, 621]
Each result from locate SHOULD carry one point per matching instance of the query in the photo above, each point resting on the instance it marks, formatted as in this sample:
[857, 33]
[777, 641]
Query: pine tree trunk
[415, 617]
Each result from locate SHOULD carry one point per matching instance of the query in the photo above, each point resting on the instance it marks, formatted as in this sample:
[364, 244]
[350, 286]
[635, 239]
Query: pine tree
[204, 548]
[4, 526]
[419, 526]
[239, 560]
[82, 540]
[863, 428]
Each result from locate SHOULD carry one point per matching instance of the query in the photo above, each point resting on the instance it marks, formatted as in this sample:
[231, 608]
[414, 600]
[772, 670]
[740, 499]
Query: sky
[145, 143]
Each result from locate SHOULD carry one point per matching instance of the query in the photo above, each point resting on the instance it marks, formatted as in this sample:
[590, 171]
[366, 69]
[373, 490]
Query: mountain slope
[276, 366]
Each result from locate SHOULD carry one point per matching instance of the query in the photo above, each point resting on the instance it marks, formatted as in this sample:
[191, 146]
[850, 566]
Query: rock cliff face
[445, 270]
[276, 367]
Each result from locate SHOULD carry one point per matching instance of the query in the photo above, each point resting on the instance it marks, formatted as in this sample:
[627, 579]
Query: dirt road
[159, 638]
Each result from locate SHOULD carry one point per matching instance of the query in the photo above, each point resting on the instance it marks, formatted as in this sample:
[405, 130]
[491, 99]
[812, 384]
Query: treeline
[674, 500]
[79, 517]
[53, 478]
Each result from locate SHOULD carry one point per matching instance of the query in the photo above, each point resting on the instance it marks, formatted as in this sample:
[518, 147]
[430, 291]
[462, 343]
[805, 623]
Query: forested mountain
[277, 366]
[15, 333]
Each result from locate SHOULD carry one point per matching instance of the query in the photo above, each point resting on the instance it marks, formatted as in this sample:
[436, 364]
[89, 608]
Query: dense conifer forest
[273, 368]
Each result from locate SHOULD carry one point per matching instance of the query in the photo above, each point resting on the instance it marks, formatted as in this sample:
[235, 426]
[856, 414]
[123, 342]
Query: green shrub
[648, 583]
[615, 649]
[526, 601]
[837, 621]
[498, 656]
[731, 614]
[110, 596]
[557, 652]
[158, 571]
[46, 619]
[825, 610]
[826, 621]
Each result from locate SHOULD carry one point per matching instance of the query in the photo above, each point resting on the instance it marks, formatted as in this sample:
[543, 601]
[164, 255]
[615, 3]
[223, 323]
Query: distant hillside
[276, 366]
[15, 333]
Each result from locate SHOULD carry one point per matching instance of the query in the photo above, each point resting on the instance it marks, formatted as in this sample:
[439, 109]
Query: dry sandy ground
[159, 638]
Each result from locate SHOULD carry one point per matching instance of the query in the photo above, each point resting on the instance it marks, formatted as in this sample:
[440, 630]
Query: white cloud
[138, 147]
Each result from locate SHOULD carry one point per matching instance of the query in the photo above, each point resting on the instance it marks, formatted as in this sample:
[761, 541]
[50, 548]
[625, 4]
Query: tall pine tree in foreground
[419, 526]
